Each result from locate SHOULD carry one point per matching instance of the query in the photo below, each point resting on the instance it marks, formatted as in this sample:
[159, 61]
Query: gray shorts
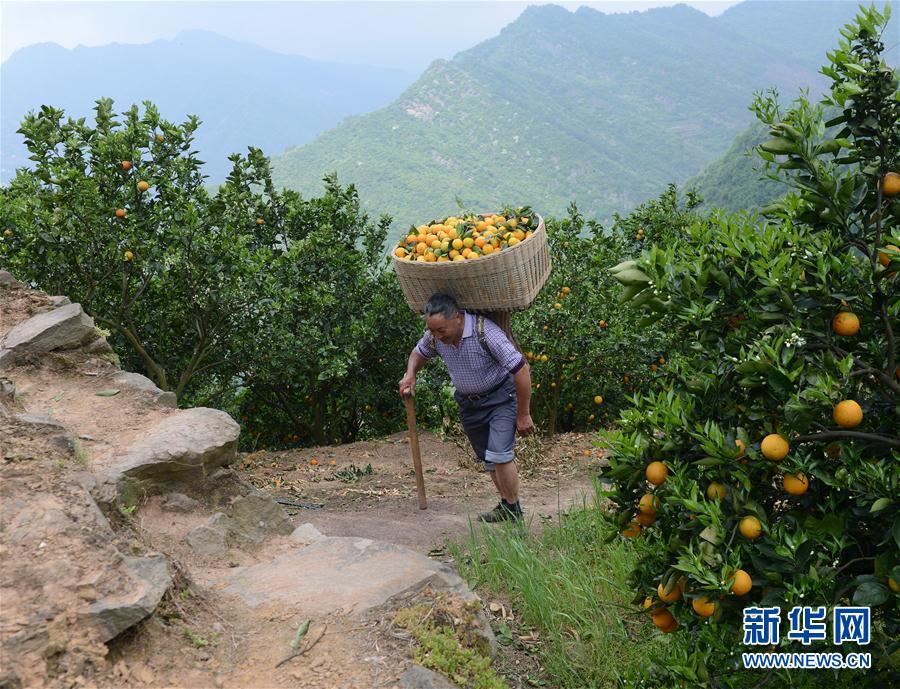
[490, 424]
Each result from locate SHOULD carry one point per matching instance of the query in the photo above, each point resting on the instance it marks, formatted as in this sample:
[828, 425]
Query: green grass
[570, 586]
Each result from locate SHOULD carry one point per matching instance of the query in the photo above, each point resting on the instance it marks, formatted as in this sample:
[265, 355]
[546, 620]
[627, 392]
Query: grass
[570, 586]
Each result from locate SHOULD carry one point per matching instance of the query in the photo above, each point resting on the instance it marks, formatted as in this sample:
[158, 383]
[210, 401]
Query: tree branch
[834, 435]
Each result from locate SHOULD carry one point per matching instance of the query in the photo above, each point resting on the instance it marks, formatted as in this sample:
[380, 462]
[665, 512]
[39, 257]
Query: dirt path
[345, 498]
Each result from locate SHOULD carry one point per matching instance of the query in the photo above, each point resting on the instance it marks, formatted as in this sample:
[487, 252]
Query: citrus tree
[766, 470]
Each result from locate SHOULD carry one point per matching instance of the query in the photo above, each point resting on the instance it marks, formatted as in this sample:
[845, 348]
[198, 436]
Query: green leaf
[778, 146]
[880, 504]
[108, 393]
[870, 593]
[298, 637]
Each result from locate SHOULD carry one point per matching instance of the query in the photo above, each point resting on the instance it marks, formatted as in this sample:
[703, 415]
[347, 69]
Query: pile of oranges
[466, 238]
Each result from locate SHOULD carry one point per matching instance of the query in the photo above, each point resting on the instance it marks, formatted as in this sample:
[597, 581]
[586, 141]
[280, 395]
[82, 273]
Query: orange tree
[767, 470]
[587, 353]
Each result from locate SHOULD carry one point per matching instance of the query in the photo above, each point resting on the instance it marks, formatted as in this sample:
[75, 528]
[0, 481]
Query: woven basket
[506, 281]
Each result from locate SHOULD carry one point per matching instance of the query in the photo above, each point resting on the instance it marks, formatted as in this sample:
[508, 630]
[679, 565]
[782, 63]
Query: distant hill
[244, 94]
[734, 181]
[601, 109]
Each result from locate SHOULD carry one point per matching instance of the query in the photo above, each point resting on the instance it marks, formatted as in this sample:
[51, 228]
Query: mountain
[244, 94]
[561, 106]
[735, 181]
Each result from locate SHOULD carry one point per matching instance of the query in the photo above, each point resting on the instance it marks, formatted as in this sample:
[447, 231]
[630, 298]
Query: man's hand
[408, 386]
[524, 425]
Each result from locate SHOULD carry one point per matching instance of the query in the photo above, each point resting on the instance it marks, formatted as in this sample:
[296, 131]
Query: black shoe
[503, 512]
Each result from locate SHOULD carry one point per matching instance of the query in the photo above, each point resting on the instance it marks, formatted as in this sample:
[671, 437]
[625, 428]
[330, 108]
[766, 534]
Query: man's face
[447, 330]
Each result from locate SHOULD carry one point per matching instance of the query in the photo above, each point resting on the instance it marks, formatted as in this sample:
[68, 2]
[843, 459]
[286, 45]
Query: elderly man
[493, 389]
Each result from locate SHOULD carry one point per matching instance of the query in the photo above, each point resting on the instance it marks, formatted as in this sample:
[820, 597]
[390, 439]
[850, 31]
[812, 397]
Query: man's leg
[506, 478]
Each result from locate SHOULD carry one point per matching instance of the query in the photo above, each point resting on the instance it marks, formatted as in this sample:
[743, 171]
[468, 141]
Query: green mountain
[735, 180]
[605, 110]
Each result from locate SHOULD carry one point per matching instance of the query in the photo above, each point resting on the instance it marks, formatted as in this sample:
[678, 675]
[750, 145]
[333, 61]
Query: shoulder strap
[479, 329]
[431, 342]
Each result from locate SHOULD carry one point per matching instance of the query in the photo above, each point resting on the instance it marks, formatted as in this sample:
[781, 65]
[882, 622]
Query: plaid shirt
[472, 369]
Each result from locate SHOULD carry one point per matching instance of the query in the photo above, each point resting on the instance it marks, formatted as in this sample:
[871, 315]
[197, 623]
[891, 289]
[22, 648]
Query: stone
[42, 420]
[151, 578]
[59, 300]
[7, 391]
[306, 533]
[179, 502]
[210, 539]
[182, 447]
[98, 345]
[418, 677]
[255, 516]
[7, 280]
[67, 327]
[136, 381]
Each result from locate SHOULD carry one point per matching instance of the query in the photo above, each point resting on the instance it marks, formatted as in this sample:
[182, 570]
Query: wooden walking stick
[414, 446]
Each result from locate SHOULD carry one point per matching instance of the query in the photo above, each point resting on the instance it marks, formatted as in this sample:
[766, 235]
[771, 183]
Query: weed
[195, 638]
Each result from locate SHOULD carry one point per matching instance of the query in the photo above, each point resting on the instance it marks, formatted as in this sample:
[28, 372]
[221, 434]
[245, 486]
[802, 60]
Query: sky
[402, 34]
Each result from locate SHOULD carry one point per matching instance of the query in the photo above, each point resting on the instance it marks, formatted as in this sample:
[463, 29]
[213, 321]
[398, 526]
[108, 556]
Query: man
[493, 389]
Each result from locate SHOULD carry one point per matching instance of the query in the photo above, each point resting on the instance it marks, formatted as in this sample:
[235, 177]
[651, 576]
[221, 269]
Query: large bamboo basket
[502, 282]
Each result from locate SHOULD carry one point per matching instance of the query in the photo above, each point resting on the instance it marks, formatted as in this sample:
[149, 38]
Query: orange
[847, 414]
[796, 484]
[512, 241]
[129, 255]
[602, 324]
[435, 243]
[645, 519]
[670, 628]
[647, 603]
[670, 597]
[333, 462]
[544, 358]
[120, 212]
[750, 527]
[703, 606]
[649, 504]
[160, 138]
[314, 461]
[884, 258]
[143, 186]
[845, 324]
[399, 252]
[656, 472]
[598, 399]
[741, 582]
[633, 530]
[557, 305]
[480, 242]
[421, 247]
[662, 618]
[457, 243]
[259, 221]
[895, 587]
[566, 290]
[716, 491]
[741, 447]
[774, 447]
[890, 184]
[487, 249]
[7, 232]
[126, 164]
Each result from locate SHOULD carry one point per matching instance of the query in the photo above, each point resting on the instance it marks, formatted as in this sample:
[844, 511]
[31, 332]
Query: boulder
[210, 539]
[306, 533]
[179, 502]
[136, 381]
[7, 280]
[418, 677]
[151, 579]
[181, 448]
[67, 327]
[254, 517]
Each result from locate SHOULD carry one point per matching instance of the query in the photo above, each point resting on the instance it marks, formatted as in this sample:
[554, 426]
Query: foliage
[752, 302]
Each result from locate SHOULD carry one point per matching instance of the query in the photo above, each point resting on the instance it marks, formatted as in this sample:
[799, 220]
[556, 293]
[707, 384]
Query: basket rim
[460, 264]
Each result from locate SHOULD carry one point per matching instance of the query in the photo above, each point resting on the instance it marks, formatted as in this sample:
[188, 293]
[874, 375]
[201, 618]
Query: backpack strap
[479, 330]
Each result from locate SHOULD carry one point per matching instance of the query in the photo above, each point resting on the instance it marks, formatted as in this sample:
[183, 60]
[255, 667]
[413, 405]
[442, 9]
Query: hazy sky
[395, 34]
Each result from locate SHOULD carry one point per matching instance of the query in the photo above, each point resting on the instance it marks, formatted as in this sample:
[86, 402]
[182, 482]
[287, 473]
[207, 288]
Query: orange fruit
[845, 324]
[774, 447]
[656, 472]
[750, 527]
[7, 232]
[544, 357]
[741, 582]
[566, 290]
[741, 447]
[487, 249]
[602, 324]
[895, 587]
[670, 628]
[314, 461]
[795, 484]
[160, 138]
[143, 186]
[645, 519]
[126, 164]
[333, 462]
[662, 618]
[649, 504]
[847, 414]
[400, 252]
[129, 255]
[703, 606]
[260, 221]
[598, 399]
[120, 212]
[716, 491]
[890, 184]
[632, 530]
[647, 603]
[884, 258]
[670, 597]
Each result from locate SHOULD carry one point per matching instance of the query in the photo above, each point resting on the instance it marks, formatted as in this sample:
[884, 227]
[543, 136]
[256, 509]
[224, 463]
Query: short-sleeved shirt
[472, 370]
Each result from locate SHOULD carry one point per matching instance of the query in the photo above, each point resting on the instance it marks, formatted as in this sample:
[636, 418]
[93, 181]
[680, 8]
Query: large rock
[67, 327]
[418, 677]
[7, 280]
[254, 517]
[136, 381]
[210, 539]
[151, 579]
[183, 447]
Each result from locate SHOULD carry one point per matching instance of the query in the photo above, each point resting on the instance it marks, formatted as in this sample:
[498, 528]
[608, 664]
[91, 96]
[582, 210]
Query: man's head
[444, 318]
